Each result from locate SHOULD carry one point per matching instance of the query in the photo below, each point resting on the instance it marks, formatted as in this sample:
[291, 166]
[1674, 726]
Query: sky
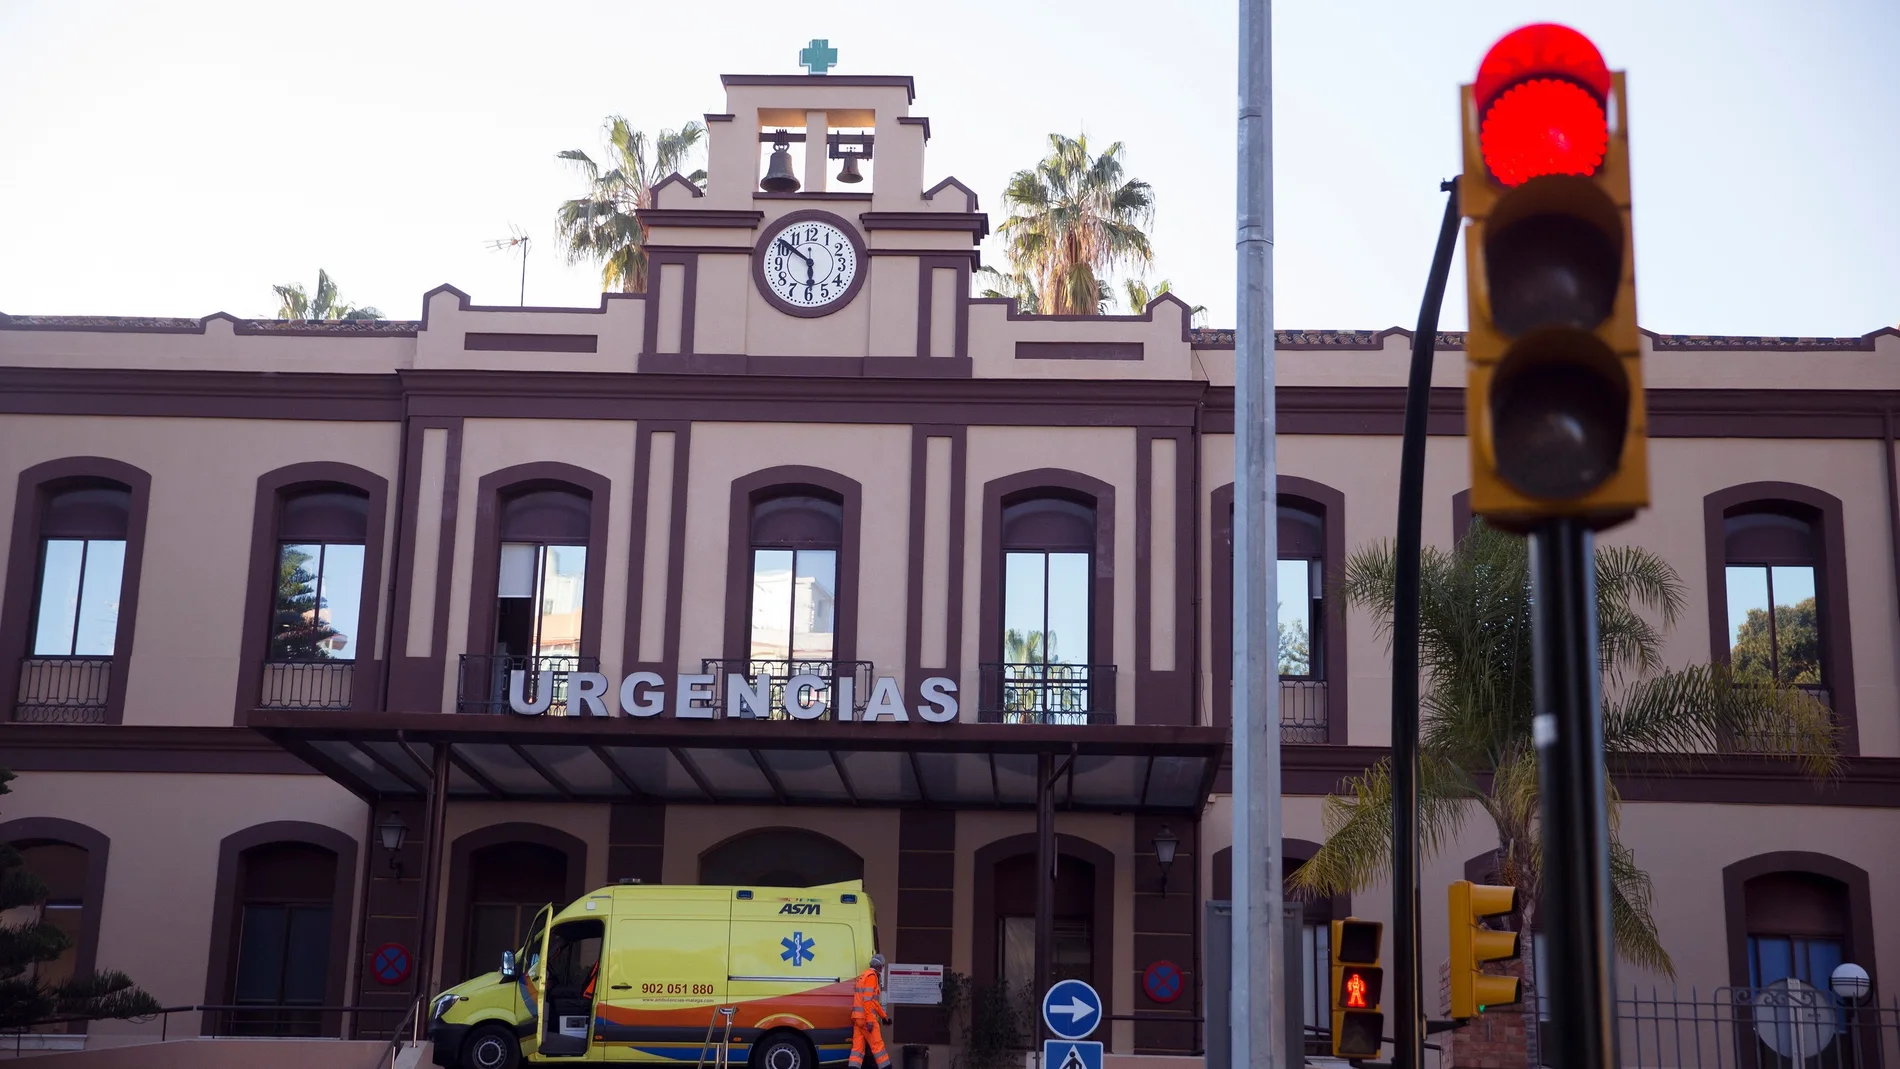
[179, 159]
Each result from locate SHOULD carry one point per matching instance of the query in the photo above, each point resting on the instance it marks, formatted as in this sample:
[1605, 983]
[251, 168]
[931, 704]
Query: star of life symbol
[797, 949]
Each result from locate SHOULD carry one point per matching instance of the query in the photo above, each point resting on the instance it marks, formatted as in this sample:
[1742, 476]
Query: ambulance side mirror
[508, 965]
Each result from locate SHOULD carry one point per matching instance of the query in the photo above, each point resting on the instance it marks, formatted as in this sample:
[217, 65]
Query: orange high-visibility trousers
[866, 1033]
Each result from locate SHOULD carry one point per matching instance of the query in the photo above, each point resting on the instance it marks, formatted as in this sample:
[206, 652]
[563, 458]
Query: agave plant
[1475, 751]
[600, 225]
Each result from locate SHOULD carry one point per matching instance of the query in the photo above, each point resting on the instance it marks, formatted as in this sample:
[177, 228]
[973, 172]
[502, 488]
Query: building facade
[806, 565]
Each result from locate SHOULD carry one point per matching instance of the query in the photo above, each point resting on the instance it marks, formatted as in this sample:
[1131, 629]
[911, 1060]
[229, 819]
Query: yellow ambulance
[641, 973]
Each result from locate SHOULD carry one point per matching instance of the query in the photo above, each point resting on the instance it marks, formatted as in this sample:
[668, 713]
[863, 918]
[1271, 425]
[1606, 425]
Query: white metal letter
[795, 689]
[544, 686]
[887, 702]
[748, 699]
[940, 692]
[633, 704]
[693, 690]
[587, 688]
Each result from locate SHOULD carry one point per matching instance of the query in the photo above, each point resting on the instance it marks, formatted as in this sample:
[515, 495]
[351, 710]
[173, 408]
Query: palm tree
[294, 303]
[1075, 217]
[600, 225]
[1139, 294]
[1474, 645]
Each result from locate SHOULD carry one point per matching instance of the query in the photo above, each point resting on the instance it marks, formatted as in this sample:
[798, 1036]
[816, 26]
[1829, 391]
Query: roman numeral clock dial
[810, 263]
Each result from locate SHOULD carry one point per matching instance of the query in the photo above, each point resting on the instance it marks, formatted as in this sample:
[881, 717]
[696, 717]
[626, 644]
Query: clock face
[810, 266]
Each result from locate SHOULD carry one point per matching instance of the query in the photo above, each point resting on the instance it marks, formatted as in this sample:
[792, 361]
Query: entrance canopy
[754, 761]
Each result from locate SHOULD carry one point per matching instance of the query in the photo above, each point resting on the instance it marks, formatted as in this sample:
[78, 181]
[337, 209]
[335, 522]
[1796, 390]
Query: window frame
[1329, 505]
[756, 544]
[767, 484]
[485, 578]
[37, 831]
[19, 601]
[1824, 512]
[275, 489]
[1858, 945]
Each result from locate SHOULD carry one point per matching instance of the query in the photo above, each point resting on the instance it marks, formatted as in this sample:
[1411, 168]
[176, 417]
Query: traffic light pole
[1568, 732]
[1408, 1013]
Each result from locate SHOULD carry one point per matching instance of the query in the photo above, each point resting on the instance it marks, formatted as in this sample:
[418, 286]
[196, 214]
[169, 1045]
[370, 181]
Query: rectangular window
[1046, 618]
[1774, 957]
[539, 600]
[78, 613]
[1782, 645]
[1298, 590]
[283, 961]
[318, 602]
[1316, 957]
[794, 604]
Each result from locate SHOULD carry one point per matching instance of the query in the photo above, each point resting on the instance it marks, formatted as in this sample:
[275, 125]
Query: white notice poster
[914, 985]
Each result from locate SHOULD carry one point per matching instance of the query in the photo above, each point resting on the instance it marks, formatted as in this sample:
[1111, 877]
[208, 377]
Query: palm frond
[1632, 924]
[1703, 709]
[1358, 848]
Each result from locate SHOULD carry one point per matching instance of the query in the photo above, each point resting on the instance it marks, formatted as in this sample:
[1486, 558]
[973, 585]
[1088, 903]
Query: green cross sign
[818, 57]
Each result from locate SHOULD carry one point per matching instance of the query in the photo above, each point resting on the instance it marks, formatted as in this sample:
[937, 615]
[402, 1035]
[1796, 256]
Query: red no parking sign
[1162, 981]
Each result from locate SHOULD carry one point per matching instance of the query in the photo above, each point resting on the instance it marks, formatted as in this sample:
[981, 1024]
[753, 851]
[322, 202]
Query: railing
[1302, 710]
[862, 674]
[307, 685]
[481, 686]
[1787, 1024]
[1776, 742]
[1012, 692]
[63, 690]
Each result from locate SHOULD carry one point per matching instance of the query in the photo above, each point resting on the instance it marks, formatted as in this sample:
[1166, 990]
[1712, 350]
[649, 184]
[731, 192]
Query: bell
[849, 175]
[778, 173]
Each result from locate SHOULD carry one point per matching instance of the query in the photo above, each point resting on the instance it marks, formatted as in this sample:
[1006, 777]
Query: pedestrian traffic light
[1358, 984]
[1472, 944]
[1554, 381]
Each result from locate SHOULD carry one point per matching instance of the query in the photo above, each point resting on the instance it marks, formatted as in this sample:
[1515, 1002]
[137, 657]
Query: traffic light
[1554, 380]
[1472, 944]
[1358, 985]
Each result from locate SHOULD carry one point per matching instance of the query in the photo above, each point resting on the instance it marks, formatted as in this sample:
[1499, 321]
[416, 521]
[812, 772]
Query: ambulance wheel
[491, 1047]
[783, 1050]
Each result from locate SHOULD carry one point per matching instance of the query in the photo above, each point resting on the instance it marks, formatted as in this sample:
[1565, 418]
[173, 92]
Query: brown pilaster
[1164, 931]
[392, 913]
[636, 842]
[926, 868]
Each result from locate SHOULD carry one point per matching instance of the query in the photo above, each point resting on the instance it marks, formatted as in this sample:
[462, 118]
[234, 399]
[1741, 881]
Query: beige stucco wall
[877, 456]
[190, 628]
[1105, 453]
[162, 866]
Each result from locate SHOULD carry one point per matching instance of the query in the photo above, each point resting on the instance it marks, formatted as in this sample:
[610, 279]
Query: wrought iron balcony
[1770, 740]
[481, 685]
[63, 690]
[861, 674]
[309, 685]
[1302, 710]
[1011, 692]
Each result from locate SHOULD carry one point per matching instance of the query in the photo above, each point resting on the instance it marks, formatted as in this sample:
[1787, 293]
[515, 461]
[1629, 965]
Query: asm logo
[807, 908]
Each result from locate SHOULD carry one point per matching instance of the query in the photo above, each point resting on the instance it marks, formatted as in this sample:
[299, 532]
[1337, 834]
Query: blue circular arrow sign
[1071, 1009]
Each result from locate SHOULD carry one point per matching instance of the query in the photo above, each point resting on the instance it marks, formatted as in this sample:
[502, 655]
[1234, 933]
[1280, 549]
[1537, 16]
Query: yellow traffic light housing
[1358, 984]
[1472, 944]
[1554, 380]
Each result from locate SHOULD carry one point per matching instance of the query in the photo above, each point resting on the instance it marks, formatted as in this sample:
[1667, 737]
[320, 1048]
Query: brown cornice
[241, 394]
[916, 120]
[300, 328]
[977, 223]
[708, 217]
[142, 748]
[903, 81]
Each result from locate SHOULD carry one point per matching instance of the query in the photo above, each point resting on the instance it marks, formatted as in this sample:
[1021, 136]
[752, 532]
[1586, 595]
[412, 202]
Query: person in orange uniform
[867, 1011]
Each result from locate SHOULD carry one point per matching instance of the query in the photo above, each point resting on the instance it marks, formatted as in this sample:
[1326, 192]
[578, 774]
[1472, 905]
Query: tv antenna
[518, 239]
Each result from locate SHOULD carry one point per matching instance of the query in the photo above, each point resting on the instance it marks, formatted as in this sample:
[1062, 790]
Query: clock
[809, 263]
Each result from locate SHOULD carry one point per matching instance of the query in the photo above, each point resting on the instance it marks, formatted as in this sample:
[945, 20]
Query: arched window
[63, 868]
[540, 590]
[316, 607]
[796, 538]
[1771, 562]
[1797, 927]
[780, 857]
[1048, 609]
[508, 884]
[82, 548]
[1073, 942]
[1310, 635]
[281, 970]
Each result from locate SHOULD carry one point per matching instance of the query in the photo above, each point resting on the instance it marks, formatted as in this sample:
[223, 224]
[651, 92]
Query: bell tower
[815, 247]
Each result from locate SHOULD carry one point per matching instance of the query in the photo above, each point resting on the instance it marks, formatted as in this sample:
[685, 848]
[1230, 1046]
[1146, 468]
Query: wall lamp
[392, 831]
[1165, 844]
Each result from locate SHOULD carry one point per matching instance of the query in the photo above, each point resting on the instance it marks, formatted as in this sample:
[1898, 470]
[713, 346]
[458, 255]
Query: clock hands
[787, 247]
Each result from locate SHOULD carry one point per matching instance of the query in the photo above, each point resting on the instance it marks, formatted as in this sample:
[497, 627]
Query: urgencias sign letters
[804, 697]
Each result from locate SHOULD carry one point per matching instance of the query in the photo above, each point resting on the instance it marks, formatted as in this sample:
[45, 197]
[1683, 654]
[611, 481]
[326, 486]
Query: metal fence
[1029, 693]
[1302, 710]
[481, 686]
[1787, 1025]
[862, 674]
[63, 690]
[307, 685]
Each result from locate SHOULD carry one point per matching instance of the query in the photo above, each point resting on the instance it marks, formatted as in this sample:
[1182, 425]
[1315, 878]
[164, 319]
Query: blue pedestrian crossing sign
[1072, 1009]
[1071, 1054]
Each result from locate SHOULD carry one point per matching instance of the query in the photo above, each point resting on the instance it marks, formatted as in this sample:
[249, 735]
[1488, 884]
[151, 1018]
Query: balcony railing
[63, 690]
[862, 674]
[1012, 692]
[1766, 740]
[481, 686]
[1302, 710]
[308, 685]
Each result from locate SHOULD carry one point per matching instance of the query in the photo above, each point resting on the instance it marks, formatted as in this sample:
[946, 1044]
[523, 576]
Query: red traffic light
[1541, 93]
[1355, 987]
